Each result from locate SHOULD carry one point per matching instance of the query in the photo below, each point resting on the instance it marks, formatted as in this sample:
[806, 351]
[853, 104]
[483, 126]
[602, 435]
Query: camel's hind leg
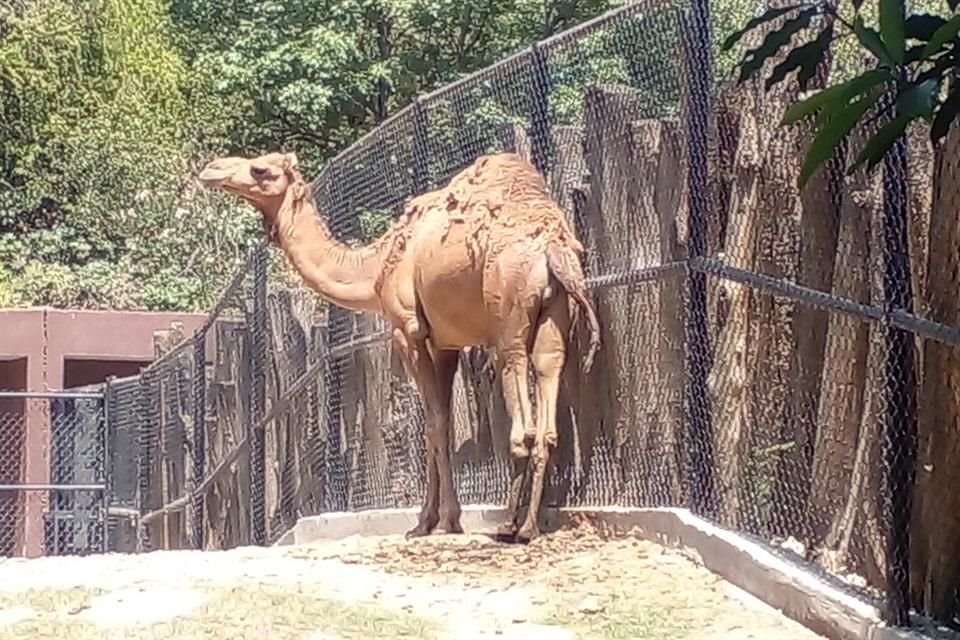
[548, 355]
[516, 396]
[518, 306]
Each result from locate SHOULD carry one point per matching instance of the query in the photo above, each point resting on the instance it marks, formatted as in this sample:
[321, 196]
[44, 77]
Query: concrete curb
[797, 592]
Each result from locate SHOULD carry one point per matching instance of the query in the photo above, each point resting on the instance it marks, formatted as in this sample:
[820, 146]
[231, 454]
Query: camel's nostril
[259, 172]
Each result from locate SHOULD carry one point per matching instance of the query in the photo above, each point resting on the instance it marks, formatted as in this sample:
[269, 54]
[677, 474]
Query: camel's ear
[299, 190]
[290, 161]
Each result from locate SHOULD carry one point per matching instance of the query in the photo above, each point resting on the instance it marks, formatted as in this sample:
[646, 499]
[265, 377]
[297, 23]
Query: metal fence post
[699, 436]
[900, 415]
[107, 434]
[541, 140]
[258, 357]
[421, 148]
[147, 451]
[198, 440]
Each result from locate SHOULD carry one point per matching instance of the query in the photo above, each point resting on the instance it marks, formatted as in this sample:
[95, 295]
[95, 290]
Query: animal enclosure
[781, 362]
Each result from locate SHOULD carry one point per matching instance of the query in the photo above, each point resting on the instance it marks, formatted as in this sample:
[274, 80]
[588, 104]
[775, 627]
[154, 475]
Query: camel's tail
[565, 266]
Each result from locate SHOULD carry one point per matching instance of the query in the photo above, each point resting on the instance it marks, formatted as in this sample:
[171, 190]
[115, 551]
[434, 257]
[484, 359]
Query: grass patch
[49, 600]
[623, 618]
[241, 611]
[48, 606]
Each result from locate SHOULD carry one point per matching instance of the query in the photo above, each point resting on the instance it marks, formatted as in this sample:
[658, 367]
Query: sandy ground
[575, 583]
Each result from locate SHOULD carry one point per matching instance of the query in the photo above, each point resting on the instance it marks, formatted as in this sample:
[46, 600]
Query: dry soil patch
[577, 583]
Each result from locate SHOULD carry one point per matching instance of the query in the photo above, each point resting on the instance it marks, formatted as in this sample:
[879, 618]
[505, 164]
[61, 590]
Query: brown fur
[487, 260]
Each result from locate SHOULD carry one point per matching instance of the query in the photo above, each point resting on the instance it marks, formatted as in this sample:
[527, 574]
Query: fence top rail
[39, 486]
[52, 395]
[125, 379]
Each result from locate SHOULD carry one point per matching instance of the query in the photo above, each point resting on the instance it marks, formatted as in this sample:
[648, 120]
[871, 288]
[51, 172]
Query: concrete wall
[53, 349]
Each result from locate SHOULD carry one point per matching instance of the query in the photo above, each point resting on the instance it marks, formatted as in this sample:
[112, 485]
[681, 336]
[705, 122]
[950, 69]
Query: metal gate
[53, 484]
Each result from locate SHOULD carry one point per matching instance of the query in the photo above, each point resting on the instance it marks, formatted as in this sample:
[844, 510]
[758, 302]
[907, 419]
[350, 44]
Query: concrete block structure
[44, 350]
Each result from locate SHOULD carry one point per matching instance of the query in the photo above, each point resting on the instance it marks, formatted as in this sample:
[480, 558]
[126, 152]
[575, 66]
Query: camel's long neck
[343, 275]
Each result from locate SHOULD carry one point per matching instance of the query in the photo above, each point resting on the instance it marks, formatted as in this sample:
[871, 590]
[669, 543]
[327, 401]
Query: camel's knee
[540, 455]
[415, 330]
[549, 363]
[519, 443]
[549, 352]
[434, 435]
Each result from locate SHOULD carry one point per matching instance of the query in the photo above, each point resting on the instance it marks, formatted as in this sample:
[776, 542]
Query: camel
[489, 260]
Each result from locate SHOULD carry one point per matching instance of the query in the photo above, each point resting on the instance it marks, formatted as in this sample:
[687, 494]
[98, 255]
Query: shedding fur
[478, 262]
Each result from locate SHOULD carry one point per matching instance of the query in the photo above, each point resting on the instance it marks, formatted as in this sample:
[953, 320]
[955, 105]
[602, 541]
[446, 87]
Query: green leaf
[839, 94]
[773, 42]
[877, 146]
[942, 36]
[922, 26]
[946, 114]
[892, 27]
[919, 100]
[832, 133]
[771, 14]
[871, 41]
[805, 58]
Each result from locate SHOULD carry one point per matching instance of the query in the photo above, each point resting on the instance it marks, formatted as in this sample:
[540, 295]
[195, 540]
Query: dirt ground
[576, 583]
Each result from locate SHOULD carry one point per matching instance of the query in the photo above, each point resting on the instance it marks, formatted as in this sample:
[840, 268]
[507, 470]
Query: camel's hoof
[448, 527]
[422, 529]
[507, 530]
[527, 533]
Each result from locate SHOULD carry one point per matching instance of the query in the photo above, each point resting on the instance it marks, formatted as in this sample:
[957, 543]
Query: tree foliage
[912, 75]
[108, 107]
[96, 131]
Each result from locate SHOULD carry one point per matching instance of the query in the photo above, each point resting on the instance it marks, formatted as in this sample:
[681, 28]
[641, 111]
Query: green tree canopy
[912, 75]
[110, 106]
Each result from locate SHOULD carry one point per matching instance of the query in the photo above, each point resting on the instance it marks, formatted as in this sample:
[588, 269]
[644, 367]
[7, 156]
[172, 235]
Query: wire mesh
[779, 361]
[124, 399]
[53, 475]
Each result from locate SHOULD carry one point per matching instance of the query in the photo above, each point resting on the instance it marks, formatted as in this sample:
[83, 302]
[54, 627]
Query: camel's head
[263, 180]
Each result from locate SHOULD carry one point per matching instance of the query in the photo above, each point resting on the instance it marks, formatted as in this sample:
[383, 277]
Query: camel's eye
[259, 173]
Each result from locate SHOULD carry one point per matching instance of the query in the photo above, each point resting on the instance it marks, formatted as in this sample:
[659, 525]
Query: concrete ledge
[753, 567]
[383, 522]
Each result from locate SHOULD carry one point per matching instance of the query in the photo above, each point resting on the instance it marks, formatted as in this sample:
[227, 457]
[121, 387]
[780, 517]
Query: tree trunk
[671, 204]
[225, 506]
[847, 412]
[821, 202]
[611, 233]
[936, 527]
[366, 414]
[623, 158]
[920, 165]
[750, 382]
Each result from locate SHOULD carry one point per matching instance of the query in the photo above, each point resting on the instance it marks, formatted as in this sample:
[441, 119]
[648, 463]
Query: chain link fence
[780, 362]
[53, 491]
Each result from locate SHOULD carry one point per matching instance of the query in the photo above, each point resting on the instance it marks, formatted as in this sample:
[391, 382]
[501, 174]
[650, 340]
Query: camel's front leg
[444, 369]
[433, 374]
[548, 356]
[429, 512]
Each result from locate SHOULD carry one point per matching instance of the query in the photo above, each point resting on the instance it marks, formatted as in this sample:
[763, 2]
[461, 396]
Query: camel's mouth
[218, 172]
[212, 178]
